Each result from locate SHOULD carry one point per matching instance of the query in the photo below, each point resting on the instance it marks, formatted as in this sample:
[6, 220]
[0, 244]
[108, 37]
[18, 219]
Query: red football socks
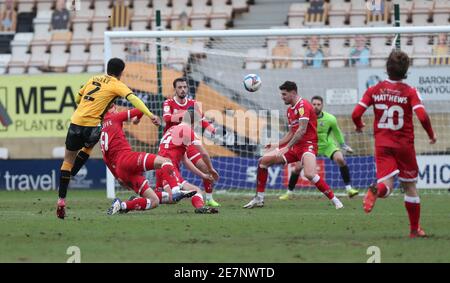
[412, 205]
[208, 186]
[322, 186]
[197, 200]
[382, 190]
[137, 204]
[261, 179]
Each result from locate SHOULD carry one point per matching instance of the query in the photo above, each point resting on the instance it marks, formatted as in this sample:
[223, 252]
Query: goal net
[337, 64]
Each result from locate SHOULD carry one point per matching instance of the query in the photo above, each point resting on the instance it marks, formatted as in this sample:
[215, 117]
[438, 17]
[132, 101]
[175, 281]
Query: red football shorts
[392, 161]
[193, 154]
[130, 168]
[160, 179]
[297, 152]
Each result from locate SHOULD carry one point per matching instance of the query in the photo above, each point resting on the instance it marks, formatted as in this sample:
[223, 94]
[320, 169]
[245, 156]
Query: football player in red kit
[173, 111]
[299, 144]
[393, 104]
[174, 145]
[128, 166]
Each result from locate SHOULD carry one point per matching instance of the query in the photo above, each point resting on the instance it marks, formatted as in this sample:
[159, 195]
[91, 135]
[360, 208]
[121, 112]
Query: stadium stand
[81, 49]
[34, 49]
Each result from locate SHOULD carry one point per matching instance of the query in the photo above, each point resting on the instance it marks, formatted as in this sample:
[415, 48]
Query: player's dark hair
[397, 65]
[317, 97]
[288, 86]
[178, 80]
[115, 67]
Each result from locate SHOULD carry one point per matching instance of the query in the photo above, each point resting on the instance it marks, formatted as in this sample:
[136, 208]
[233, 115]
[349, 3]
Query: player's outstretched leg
[118, 206]
[148, 200]
[380, 190]
[261, 180]
[80, 160]
[309, 165]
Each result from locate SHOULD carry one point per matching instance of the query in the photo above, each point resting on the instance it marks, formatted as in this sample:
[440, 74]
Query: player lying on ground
[393, 104]
[326, 125]
[173, 111]
[299, 144]
[93, 101]
[174, 146]
[128, 166]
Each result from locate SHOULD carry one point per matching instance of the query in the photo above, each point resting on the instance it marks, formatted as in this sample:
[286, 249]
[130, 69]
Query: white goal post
[217, 60]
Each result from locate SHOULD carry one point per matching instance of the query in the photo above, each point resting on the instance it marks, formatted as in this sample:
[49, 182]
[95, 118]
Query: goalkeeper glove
[346, 148]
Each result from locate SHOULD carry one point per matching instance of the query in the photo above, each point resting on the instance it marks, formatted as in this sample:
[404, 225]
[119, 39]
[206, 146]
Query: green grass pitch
[306, 229]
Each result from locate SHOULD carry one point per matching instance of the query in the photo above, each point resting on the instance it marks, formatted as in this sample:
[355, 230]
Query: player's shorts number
[387, 119]
[104, 139]
[166, 140]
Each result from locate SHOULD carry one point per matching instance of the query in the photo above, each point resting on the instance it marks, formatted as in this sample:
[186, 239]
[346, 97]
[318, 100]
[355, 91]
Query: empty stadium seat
[85, 6]
[95, 62]
[422, 12]
[180, 6]
[339, 11]
[142, 15]
[255, 59]
[200, 14]
[4, 61]
[19, 49]
[42, 25]
[358, 13]
[406, 10]
[99, 26]
[296, 14]
[339, 57]
[39, 56]
[221, 6]
[78, 56]
[239, 5]
[80, 28]
[102, 8]
[421, 56]
[441, 12]
[44, 5]
[58, 54]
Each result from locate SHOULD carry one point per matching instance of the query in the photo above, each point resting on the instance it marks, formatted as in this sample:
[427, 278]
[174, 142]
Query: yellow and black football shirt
[96, 96]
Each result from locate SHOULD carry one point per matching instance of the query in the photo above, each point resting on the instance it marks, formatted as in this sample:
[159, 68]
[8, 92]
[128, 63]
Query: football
[252, 82]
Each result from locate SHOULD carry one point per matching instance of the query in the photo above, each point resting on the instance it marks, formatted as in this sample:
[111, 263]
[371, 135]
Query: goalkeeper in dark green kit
[327, 128]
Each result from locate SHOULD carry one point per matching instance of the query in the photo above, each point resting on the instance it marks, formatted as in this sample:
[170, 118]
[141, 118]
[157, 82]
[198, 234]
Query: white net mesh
[337, 68]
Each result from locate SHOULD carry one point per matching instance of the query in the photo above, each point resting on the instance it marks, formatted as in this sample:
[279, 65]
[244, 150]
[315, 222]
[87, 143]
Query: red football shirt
[303, 110]
[171, 106]
[393, 104]
[175, 141]
[113, 141]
